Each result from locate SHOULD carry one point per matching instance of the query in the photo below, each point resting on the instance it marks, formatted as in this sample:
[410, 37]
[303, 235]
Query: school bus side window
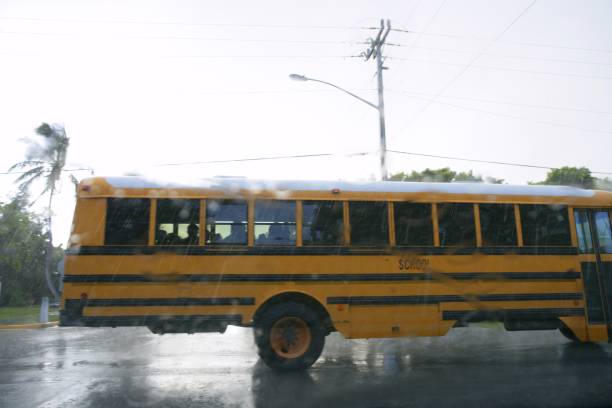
[583, 232]
[497, 224]
[226, 222]
[456, 224]
[413, 224]
[322, 223]
[604, 231]
[545, 224]
[177, 222]
[369, 223]
[127, 221]
[275, 222]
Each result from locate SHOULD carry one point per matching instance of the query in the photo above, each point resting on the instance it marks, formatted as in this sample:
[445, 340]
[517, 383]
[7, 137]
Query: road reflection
[132, 368]
[394, 373]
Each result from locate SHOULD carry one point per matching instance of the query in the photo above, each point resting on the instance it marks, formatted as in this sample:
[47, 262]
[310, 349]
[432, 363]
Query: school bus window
[583, 232]
[127, 221]
[226, 222]
[604, 232]
[275, 222]
[545, 225]
[322, 223]
[413, 224]
[456, 224]
[497, 224]
[369, 223]
[177, 222]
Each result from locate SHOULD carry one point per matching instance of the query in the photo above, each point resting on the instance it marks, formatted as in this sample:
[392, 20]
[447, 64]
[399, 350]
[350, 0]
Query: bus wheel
[289, 336]
[567, 333]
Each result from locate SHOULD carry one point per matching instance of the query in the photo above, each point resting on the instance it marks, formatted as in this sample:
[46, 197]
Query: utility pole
[375, 51]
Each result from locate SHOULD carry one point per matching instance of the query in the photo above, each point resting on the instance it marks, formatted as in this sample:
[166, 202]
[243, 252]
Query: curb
[27, 326]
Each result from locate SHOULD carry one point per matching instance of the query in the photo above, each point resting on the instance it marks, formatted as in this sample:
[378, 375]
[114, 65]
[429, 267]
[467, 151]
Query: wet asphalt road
[130, 367]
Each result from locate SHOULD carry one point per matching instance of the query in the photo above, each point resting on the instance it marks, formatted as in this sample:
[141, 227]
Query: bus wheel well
[298, 297]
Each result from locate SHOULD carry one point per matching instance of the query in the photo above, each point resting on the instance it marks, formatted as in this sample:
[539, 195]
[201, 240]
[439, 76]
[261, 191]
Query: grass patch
[25, 314]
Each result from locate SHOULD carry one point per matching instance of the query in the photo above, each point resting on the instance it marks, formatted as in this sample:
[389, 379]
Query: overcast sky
[138, 84]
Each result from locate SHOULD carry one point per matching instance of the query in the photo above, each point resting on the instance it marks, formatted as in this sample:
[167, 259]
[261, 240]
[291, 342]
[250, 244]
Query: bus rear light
[85, 188]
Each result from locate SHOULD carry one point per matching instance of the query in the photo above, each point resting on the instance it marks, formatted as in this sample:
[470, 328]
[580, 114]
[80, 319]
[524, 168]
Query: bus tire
[289, 336]
[568, 334]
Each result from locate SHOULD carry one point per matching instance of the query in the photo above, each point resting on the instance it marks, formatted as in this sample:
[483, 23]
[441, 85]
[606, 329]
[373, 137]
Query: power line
[526, 43]
[557, 46]
[181, 38]
[182, 23]
[504, 31]
[527, 71]
[400, 30]
[298, 156]
[525, 57]
[302, 156]
[258, 56]
[257, 92]
[248, 159]
[427, 61]
[20, 54]
[522, 13]
[466, 67]
[505, 115]
[485, 161]
[549, 59]
[431, 19]
[498, 102]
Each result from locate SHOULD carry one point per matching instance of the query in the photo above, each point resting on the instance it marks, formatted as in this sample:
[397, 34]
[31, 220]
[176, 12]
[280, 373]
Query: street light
[380, 107]
[297, 77]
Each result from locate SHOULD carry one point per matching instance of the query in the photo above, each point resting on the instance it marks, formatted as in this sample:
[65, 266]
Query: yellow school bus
[297, 260]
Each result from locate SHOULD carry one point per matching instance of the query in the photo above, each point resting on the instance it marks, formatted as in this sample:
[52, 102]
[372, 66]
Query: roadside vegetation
[22, 255]
[24, 314]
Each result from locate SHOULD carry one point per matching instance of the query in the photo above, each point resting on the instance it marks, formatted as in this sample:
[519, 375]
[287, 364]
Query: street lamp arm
[380, 107]
[345, 91]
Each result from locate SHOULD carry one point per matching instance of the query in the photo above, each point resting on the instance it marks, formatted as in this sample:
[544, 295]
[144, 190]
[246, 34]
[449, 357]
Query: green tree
[22, 245]
[468, 176]
[45, 161]
[570, 176]
[443, 175]
[493, 180]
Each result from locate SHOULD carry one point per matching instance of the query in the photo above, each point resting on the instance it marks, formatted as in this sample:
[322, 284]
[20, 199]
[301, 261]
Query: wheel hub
[290, 337]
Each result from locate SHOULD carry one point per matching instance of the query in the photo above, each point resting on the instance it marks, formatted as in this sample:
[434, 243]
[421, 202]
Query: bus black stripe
[535, 314]
[334, 251]
[435, 299]
[145, 320]
[237, 301]
[325, 277]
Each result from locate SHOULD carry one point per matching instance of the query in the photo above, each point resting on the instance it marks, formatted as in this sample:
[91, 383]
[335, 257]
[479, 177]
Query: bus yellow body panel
[367, 292]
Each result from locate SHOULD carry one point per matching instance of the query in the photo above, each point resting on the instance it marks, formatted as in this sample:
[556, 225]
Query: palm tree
[45, 162]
